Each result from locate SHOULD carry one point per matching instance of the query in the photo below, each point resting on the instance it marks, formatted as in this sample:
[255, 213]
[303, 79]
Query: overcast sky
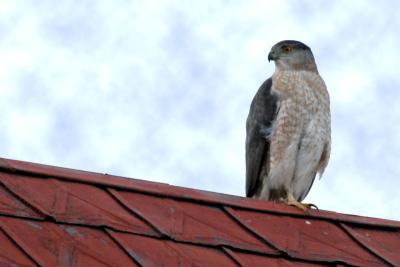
[160, 90]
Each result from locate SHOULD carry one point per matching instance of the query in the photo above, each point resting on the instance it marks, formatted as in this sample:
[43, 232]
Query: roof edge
[166, 190]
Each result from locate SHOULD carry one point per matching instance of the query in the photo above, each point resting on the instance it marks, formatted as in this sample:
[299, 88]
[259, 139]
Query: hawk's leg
[303, 206]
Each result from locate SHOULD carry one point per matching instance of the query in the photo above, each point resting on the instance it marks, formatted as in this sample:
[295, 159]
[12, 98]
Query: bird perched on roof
[288, 129]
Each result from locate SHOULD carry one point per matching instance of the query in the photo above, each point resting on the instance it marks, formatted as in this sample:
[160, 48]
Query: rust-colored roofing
[51, 216]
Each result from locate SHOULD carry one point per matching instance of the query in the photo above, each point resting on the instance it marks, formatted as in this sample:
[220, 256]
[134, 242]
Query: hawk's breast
[302, 129]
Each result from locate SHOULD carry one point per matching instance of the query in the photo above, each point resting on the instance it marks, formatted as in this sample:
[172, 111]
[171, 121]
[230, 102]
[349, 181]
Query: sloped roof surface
[52, 216]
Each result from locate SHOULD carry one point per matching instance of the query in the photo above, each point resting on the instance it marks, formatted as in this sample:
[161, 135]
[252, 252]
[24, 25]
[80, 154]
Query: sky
[160, 90]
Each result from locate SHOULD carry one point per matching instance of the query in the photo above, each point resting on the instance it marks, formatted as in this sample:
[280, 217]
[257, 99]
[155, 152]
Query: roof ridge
[347, 230]
[182, 193]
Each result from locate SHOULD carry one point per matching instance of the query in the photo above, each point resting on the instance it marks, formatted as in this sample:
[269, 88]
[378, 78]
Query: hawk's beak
[271, 56]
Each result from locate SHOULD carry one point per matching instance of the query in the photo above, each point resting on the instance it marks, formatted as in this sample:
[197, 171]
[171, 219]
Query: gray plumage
[288, 127]
[262, 114]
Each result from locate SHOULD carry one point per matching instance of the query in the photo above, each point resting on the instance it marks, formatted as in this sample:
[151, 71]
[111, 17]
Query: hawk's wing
[259, 123]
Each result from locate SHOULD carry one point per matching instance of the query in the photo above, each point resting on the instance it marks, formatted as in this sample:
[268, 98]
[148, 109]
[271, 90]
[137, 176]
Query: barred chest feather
[301, 132]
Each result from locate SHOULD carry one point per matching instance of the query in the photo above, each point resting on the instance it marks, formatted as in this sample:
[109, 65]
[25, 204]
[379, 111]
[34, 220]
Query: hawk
[288, 129]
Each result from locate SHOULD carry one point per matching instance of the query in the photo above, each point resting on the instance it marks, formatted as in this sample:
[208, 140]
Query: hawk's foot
[303, 206]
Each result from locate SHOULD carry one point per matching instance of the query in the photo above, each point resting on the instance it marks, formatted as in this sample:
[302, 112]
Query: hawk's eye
[286, 49]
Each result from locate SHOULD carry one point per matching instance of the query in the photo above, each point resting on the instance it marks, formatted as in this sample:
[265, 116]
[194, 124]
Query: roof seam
[111, 231]
[18, 245]
[204, 245]
[254, 233]
[77, 179]
[231, 255]
[176, 249]
[165, 237]
[23, 217]
[76, 242]
[120, 245]
[282, 252]
[91, 226]
[291, 260]
[209, 246]
[19, 170]
[346, 229]
[26, 250]
[81, 246]
[114, 194]
[35, 208]
[313, 216]
[218, 203]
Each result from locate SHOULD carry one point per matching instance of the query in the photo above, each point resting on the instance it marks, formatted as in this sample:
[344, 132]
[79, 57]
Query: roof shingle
[52, 216]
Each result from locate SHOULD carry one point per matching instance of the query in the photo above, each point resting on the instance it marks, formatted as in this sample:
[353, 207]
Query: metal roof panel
[158, 252]
[51, 244]
[162, 189]
[52, 216]
[75, 203]
[11, 205]
[11, 254]
[309, 239]
[192, 222]
[247, 259]
[385, 243]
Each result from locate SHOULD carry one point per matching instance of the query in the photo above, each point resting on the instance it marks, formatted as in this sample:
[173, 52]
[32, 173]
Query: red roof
[52, 216]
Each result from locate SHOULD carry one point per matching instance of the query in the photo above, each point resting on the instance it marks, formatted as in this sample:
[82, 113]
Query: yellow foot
[303, 206]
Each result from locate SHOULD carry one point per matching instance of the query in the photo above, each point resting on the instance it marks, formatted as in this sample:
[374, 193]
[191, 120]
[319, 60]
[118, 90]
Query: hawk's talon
[303, 206]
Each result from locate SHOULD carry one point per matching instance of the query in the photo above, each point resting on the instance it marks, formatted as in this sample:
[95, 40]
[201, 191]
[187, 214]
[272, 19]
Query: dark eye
[286, 49]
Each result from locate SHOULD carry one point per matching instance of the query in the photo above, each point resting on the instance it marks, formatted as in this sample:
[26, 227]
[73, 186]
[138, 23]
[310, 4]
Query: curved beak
[271, 56]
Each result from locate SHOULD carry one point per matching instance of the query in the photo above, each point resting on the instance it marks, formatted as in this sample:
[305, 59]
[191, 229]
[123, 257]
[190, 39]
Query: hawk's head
[292, 55]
